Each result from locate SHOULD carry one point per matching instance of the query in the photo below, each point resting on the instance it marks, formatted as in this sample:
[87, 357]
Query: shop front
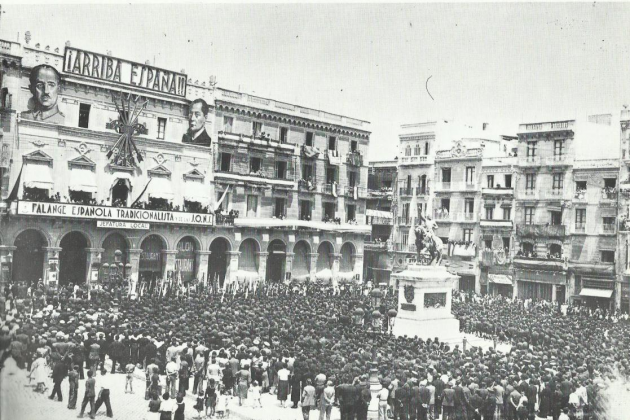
[541, 285]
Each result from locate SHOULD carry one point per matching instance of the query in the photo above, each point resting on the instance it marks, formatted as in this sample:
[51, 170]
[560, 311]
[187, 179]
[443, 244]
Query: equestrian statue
[428, 243]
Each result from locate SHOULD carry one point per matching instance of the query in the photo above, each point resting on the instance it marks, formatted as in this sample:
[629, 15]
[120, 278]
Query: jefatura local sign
[79, 211]
[111, 69]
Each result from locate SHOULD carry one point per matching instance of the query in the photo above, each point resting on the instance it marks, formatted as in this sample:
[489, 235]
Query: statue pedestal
[424, 303]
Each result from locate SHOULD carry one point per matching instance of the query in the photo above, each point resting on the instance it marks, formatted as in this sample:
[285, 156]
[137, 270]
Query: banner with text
[116, 70]
[80, 211]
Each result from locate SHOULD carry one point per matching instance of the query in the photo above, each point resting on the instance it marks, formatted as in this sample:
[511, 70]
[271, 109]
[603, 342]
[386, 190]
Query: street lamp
[376, 295]
[391, 319]
[375, 331]
[358, 316]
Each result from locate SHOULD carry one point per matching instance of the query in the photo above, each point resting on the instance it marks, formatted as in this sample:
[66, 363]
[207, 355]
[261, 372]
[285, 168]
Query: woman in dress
[296, 392]
[38, 373]
[283, 384]
[181, 406]
[244, 377]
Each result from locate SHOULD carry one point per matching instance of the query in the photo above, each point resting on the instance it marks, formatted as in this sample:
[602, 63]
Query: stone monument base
[424, 304]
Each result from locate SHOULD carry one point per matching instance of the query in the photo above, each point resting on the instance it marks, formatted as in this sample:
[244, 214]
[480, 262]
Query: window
[556, 218]
[487, 243]
[408, 150]
[507, 213]
[610, 182]
[555, 250]
[84, 115]
[508, 181]
[469, 206]
[252, 206]
[529, 215]
[329, 211]
[161, 128]
[255, 164]
[332, 143]
[446, 204]
[468, 235]
[352, 179]
[607, 256]
[405, 213]
[256, 128]
[420, 209]
[531, 149]
[404, 239]
[284, 134]
[423, 184]
[490, 179]
[281, 169]
[558, 148]
[354, 146]
[305, 210]
[527, 247]
[470, 175]
[580, 218]
[351, 212]
[446, 174]
[609, 224]
[226, 162]
[417, 150]
[558, 182]
[580, 186]
[331, 174]
[307, 172]
[489, 213]
[426, 148]
[506, 243]
[309, 139]
[530, 181]
[280, 208]
[81, 197]
[228, 124]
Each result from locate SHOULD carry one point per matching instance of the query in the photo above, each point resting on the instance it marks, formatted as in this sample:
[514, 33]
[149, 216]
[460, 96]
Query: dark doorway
[120, 193]
[276, 261]
[73, 259]
[28, 257]
[218, 261]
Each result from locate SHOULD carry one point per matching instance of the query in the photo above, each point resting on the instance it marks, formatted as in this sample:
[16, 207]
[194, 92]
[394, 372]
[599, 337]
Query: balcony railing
[410, 160]
[608, 228]
[442, 215]
[557, 160]
[580, 227]
[445, 185]
[609, 194]
[580, 195]
[375, 246]
[469, 217]
[531, 160]
[541, 230]
[404, 191]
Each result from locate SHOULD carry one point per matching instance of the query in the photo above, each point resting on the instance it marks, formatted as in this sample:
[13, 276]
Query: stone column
[313, 256]
[553, 293]
[201, 264]
[233, 265]
[617, 294]
[358, 267]
[92, 256]
[288, 266]
[133, 258]
[336, 261]
[262, 265]
[168, 260]
[50, 252]
[6, 261]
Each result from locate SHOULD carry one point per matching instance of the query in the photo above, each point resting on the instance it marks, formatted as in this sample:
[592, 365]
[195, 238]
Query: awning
[38, 176]
[541, 276]
[499, 279]
[196, 191]
[121, 176]
[332, 227]
[82, 180]
[600, 293]
[161, 188]
[378, 213]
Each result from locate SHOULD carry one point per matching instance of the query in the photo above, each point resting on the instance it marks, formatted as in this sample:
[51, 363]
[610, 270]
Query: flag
[14, 192]
[142, 192]
[216, 207]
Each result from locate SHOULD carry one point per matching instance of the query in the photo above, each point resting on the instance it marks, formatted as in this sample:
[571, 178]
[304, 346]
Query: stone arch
[87, 235]
[146, 235]
[249, 258]
[276, 260]
[301, 267]
[186, 257]
[197, 241]
[47, 237]
[117, 232]
[73, 257]
[325, 257]
[348, 254]
[112, 242]
[152, 257]
[218, 260]
[28, 257]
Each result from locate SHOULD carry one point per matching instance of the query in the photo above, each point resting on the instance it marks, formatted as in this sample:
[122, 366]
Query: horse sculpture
[433, 245]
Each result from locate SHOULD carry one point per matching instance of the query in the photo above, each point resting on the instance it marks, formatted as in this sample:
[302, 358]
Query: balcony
[443, 215]
[557, 160]
[414, 160]
[456, 186]
[580, 196]
[530, 161]
[609, 194]
[500, 223]
[609, 228]
[580, 228]
[541, 230]
[497, 191]
[354, 158]
[354, 192]
[407, 192]
[469, 217]
[375, 246]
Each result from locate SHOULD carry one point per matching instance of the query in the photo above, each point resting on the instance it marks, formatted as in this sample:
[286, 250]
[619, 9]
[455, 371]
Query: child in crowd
[181, 407]
[211, 397]
[254, 394]
[199, 405]
[130, 368]
[154, 404]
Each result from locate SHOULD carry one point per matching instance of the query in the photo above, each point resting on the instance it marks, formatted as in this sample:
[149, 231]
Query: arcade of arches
[115, 257]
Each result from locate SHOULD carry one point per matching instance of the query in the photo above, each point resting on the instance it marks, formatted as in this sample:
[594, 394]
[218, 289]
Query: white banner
[122, 225]
[80, 211]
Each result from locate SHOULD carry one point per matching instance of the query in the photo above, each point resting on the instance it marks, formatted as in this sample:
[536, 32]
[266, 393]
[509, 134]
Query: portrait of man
[44, 85]
[197, 116]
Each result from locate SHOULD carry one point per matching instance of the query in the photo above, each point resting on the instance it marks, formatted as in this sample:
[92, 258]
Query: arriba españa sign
[80, 211]
[111, 69]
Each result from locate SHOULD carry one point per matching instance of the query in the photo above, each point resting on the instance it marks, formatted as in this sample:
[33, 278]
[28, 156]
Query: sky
[389, 64]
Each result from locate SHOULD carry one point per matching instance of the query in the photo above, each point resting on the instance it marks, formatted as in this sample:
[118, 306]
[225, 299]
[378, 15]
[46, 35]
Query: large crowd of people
[302, 344]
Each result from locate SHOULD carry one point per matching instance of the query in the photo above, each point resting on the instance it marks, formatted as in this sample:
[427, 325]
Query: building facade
[83, 202]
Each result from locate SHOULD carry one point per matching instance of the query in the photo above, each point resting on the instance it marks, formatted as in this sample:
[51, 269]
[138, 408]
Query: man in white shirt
[382, 395]
[171, 376]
